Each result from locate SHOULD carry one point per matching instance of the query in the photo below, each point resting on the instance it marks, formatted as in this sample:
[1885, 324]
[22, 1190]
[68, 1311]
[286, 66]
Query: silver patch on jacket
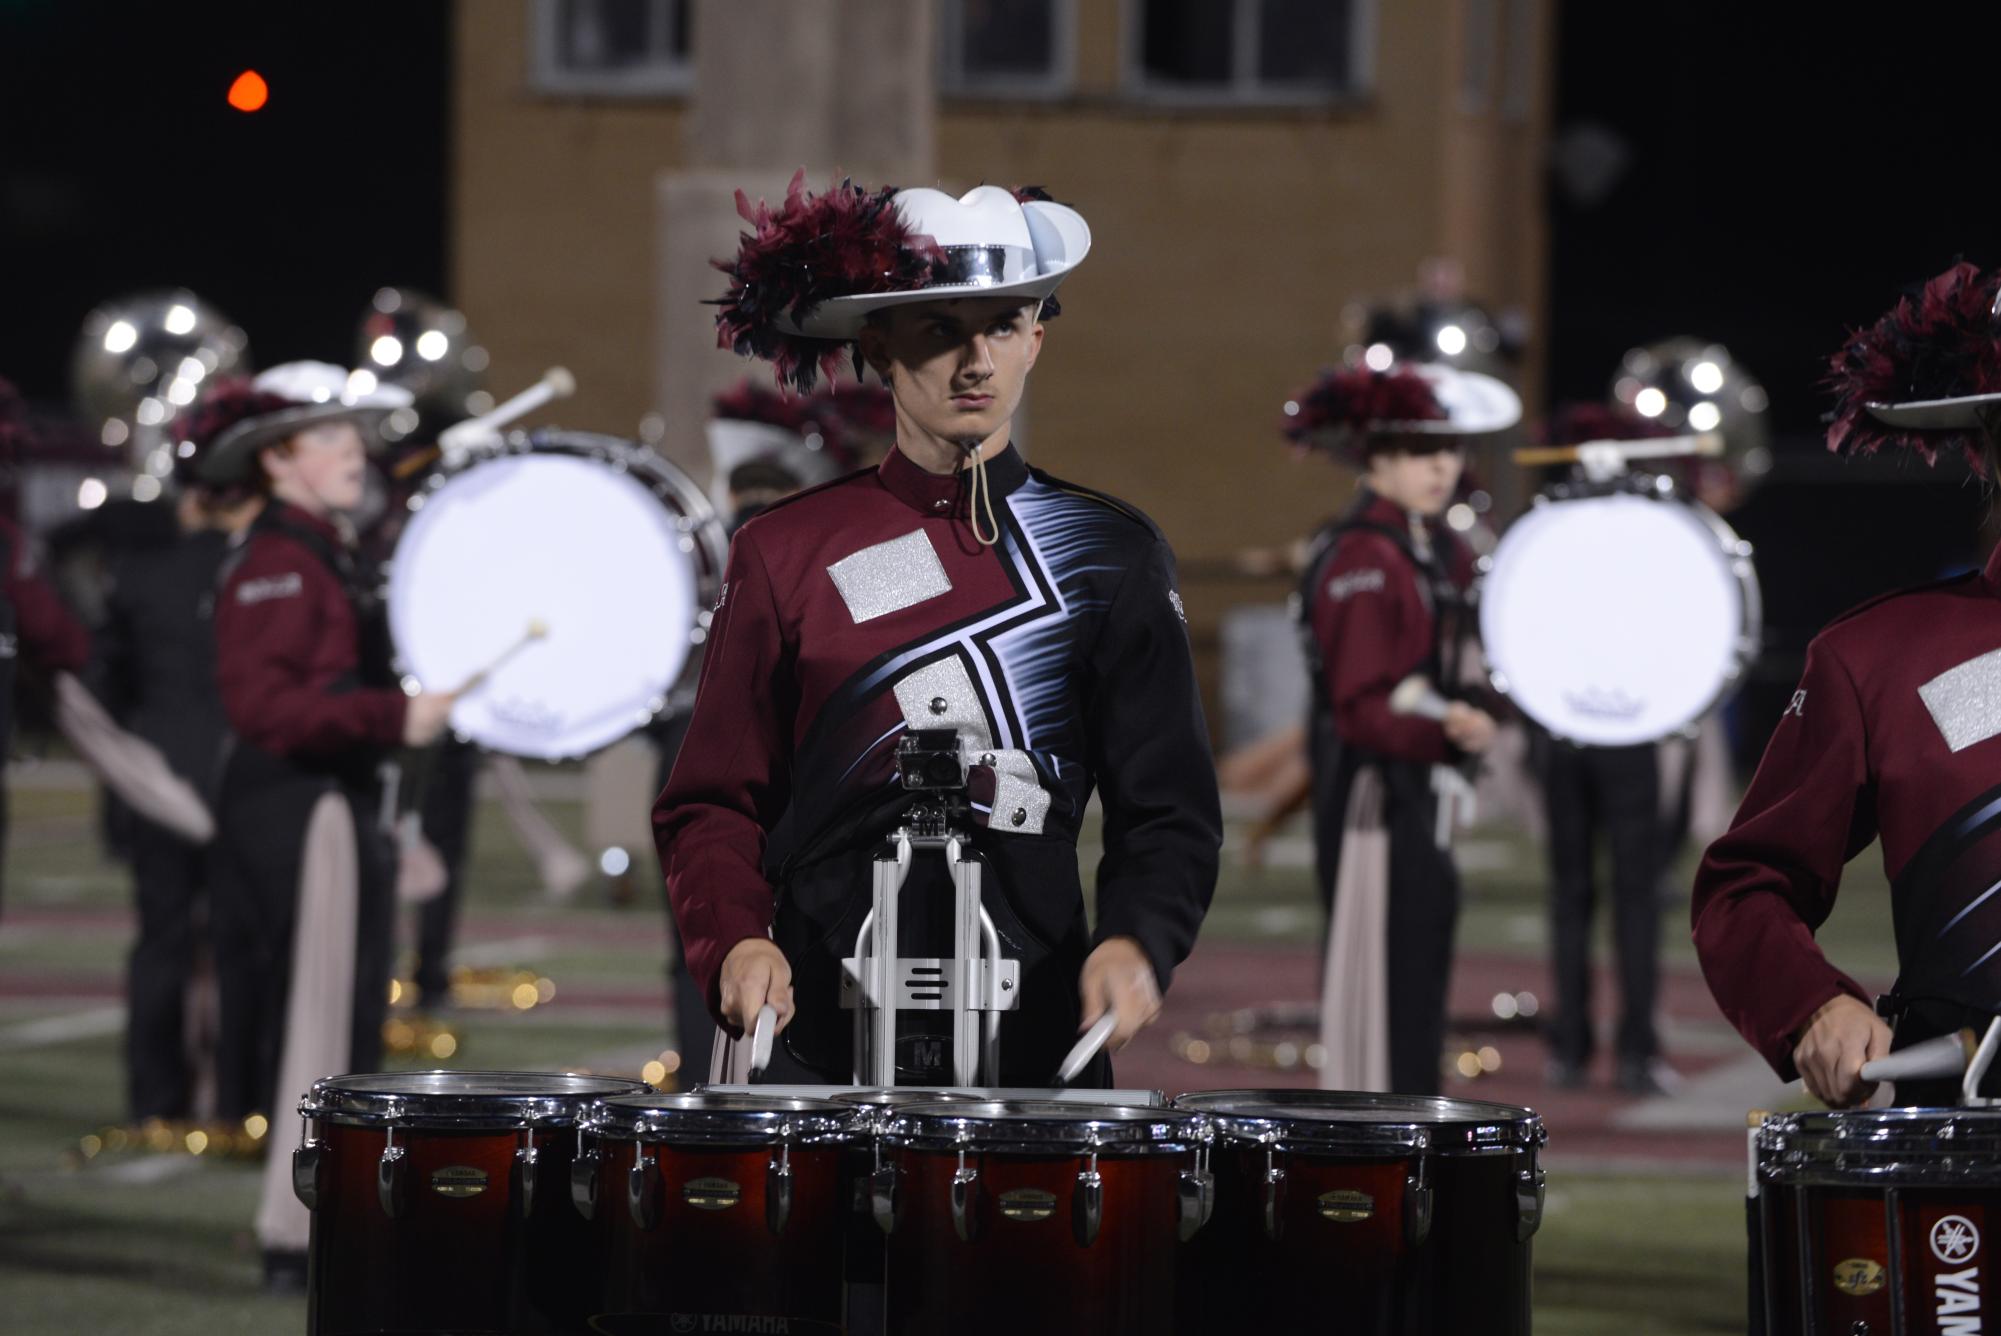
[1965, 702]
[941, 695]
[890, 577]
[1020, 801]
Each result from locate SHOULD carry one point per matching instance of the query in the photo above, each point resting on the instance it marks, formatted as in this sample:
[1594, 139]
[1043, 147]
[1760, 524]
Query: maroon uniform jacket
[44, 630]
[1371, 613]
[1895, 732]
[863, 607]
[288, 648]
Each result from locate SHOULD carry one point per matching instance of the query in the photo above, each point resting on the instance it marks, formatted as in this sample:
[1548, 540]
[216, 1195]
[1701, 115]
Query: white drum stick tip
[560, 382]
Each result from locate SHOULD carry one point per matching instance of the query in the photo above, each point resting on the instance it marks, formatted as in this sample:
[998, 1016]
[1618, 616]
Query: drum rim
[343, 1101]
[709, 1119]
[1507, 1126]
[1864, 1147]
[1735, 551]
[1055, 1126]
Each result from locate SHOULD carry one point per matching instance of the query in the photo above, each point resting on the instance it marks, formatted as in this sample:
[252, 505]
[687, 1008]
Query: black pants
[169, 881]
[1423, 912]
[1615, 790]
[447, 822]
[260, 841]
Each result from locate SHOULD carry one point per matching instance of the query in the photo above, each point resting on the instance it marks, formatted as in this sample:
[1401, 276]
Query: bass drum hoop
[1733, 550]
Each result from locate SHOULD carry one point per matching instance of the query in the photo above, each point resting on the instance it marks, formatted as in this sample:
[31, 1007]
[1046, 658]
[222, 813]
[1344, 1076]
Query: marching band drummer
[301, 876]
[952, 587]
[1385, 599]
[1894, 733]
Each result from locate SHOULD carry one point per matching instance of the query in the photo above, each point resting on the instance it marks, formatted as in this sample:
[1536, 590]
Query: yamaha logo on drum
[1027, 1205]
[1955, 1241]
[458, 1180]
[711, 1194]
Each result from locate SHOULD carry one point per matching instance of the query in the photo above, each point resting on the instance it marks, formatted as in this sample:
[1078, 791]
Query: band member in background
[34, 623]
[1384, 606]
[154, 669]
[1892, 735]
[951, 588]
[1616, 792]
[301, 878]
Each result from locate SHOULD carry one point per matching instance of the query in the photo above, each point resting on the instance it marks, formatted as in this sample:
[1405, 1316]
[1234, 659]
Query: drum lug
[1530, 1187]
[778, 1190]
[390, 1187]
[1274, 1194]
[1087, 1204]
[882, 1197]
[642, 1190]
[525, 1157]
[1197, 1198]
[1417, 1203]
[584, 1184]
[965, 1185]
[306, 1174]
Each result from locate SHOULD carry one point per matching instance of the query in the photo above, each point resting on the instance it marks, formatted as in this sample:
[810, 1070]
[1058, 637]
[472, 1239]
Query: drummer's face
[956, 368]
[324, 470]
[1423, 483]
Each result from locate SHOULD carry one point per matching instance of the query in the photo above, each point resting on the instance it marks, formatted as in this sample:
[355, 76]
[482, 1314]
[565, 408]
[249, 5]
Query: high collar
[946, 493]
[289, 515]
[1374, 509]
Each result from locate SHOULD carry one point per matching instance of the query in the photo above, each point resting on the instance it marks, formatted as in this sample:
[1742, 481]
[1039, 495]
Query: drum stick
[556, 383]
[1707, 444]
[1087, 1048]
[761, 1037]
[1415, 695]
[537, 629]
[1946, 1055]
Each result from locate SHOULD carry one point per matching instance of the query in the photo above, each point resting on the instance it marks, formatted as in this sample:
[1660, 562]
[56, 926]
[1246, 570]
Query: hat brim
[1920, 414]
[233, 455]
[1475, 403]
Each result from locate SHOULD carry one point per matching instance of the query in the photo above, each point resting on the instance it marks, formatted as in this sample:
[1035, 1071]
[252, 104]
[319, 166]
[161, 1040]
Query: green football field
[146, 1243]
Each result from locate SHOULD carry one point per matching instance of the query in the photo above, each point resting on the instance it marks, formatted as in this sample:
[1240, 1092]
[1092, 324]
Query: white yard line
[63, 1029]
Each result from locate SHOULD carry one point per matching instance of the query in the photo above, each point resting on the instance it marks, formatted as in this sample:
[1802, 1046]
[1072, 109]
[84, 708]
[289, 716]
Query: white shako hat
[994, 244]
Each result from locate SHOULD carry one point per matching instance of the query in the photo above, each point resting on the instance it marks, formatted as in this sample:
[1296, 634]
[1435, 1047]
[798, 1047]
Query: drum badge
[1027, 1205]
[711, 1194]
[1858, 1276]
[1954, 1239]
[1346, 1207]
[458, 1180]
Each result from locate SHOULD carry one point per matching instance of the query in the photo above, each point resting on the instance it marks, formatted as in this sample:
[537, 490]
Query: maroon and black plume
[1345, 406]
[1940, 342]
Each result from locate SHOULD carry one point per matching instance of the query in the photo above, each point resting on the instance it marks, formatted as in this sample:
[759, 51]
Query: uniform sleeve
[1156, 776]
[732, 779]
[270, 618]
[1363, 609]
[1770, 880]
[51, 637]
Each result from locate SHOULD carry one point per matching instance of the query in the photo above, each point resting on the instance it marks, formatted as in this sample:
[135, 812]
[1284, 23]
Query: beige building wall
[1226, 244]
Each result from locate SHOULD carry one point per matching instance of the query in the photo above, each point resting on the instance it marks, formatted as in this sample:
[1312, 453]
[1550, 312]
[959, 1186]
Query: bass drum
[568, 575]
[1619, 613]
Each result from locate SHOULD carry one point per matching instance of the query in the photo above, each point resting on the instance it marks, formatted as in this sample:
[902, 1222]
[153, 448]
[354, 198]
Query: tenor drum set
[528, 1203]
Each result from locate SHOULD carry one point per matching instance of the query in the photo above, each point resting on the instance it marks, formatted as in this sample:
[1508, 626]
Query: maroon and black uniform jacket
[42, 629]
[1895, 732]
[1376, 617]
[290, 651]
[857, 610]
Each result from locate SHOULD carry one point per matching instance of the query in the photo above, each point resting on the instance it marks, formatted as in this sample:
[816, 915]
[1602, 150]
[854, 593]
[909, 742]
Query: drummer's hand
[1838, 1039]
[426, 716]
[1119, 978]
[756, 972]
[1468, 728]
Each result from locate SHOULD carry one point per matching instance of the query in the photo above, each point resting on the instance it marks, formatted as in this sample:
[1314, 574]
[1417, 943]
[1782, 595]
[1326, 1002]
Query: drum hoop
[712, 1120]
[1736, 554]
[335, 1100]
[1870, 1145]
[1494, 1128]
[1063, 1128]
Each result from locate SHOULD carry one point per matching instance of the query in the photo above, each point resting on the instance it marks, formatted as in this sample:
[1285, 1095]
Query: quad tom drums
[1618, 613]
[712, 1212]
[567, 577]
[1876, 1222]
[440, 1202]
[1406, 1214]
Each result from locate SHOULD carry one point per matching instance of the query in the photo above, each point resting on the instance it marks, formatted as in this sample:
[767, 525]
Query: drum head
[565, 541]
[721, 1119]
[460, 1099]
[1614, 620]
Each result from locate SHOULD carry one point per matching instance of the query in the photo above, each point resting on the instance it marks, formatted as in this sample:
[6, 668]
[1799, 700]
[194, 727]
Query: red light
[249, 92]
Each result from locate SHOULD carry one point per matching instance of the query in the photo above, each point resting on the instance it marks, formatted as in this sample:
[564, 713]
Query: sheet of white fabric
[1354, 990]
[132, 767]
[557, 862]
[319, 1015]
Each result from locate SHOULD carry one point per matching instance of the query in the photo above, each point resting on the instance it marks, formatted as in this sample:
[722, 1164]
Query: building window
[612, 48]
[1007, 48]
[1248, 51]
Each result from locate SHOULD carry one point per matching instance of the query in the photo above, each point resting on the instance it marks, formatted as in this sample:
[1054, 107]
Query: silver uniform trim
[890, 577]
[1020, 802]
[1965, 702]
[942, 695]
